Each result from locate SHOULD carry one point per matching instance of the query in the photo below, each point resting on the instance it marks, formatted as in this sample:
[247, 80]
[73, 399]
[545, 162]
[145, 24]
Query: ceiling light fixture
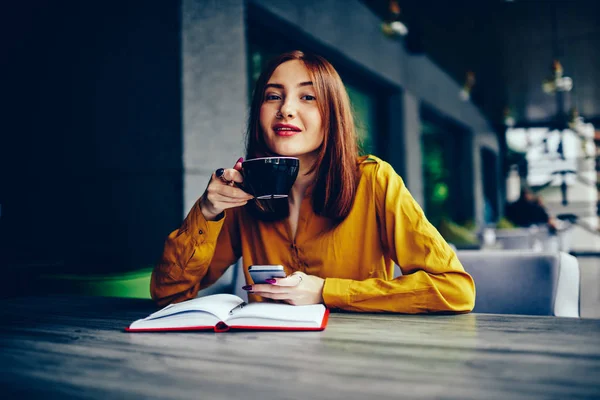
[465, 92]
[509, 119]
[557, 82]
[393, 26]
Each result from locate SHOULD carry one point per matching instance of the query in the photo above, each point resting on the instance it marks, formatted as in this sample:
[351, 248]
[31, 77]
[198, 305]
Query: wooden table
[76, 347]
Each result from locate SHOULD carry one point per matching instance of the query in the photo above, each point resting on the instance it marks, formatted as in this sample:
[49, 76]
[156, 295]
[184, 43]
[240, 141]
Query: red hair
[336, 163]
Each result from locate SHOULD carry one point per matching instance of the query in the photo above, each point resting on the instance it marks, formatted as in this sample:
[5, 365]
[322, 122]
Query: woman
[345, 223]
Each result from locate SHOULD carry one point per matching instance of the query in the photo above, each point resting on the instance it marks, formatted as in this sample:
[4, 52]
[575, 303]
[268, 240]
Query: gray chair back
[230, 282]
[526, 283]
[515, 239]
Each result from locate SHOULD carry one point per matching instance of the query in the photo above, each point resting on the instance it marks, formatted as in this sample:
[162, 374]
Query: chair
[514, 239]
[537, 238]
[526, 283]
[230, 282]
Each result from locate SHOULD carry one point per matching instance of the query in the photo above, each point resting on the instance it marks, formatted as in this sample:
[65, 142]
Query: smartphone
[260, 273]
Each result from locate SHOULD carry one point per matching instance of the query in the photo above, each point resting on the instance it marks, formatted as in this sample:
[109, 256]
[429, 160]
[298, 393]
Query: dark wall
[91, 148]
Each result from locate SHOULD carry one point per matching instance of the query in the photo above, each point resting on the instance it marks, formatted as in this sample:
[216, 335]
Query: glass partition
[447, 172]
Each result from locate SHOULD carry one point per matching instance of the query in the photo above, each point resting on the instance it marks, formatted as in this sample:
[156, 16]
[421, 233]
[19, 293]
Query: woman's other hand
[298, 289]
[222, 193]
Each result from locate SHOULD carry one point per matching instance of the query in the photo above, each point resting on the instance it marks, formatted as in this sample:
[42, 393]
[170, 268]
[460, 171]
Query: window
[447, 169]
[489, 174]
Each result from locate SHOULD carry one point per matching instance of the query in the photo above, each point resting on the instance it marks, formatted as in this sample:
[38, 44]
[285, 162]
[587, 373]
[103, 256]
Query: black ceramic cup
[270, 177]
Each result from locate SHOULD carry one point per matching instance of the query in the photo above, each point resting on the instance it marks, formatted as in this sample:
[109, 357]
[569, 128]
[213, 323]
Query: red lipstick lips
[286, 129]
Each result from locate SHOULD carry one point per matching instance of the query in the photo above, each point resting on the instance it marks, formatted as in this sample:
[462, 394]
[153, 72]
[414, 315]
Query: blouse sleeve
[195, 256]
[433, 278]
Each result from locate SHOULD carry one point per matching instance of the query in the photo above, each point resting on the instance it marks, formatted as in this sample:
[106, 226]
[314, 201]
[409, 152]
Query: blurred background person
[529, 210]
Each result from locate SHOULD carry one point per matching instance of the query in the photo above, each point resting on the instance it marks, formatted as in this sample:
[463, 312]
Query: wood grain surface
[75, 347]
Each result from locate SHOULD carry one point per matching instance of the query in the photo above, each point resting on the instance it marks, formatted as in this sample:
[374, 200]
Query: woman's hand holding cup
[222, 193]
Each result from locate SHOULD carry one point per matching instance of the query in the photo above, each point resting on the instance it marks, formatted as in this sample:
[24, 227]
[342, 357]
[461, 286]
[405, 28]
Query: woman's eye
[308, 97]
[272, 97]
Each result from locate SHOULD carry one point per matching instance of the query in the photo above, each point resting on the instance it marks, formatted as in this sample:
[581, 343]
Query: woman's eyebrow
[280, 86]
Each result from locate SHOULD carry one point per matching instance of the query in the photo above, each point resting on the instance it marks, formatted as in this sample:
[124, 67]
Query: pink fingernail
[270, 280]
[241, 159]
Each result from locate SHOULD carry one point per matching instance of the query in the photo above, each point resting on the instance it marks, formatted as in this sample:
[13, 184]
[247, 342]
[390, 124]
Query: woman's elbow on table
[455, 293]
[158, 292]
[464, 297]
[165, 290]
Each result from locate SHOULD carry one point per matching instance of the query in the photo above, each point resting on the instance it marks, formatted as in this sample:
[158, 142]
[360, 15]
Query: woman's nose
[288, 109]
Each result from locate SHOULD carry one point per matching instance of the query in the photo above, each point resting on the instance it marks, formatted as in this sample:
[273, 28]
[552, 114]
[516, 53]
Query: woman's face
[289, 115]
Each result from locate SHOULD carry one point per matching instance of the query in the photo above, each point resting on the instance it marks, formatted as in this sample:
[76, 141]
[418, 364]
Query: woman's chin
[289, 151]
[283, 152]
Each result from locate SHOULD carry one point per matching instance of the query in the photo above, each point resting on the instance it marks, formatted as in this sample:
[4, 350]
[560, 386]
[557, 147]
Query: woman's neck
[303, 180]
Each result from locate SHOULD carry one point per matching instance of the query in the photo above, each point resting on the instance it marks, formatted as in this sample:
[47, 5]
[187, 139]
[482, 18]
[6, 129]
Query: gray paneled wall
[410, 135]
[348, 27]
[215, 87]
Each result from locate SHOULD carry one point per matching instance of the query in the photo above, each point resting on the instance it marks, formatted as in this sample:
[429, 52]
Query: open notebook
[222, 312]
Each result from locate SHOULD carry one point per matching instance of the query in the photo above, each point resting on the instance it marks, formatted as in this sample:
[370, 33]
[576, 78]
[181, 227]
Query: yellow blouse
[356, 257]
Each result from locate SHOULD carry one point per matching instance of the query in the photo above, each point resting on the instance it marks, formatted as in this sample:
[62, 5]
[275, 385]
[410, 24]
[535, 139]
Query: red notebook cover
[223, 327]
